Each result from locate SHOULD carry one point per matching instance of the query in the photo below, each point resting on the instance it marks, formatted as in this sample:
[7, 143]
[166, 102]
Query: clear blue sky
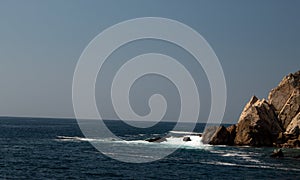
[257, 43]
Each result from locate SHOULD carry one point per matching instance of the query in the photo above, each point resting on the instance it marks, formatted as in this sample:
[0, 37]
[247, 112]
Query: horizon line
[74, 118]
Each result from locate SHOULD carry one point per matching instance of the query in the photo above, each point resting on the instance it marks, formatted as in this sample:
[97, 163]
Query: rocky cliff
[272, 122]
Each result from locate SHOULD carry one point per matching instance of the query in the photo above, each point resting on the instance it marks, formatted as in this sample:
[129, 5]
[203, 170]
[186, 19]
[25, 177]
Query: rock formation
[272, 122]
[286, 98]
[258, 124]
[294, 127]
[208, 134]
[216, 136]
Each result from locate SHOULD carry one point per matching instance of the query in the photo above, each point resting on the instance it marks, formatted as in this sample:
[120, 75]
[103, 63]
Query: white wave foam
[247, 156]
[195, 140]
[195, 143]
[249, 166]
[171, 142]
[76, 138]
[235, 154]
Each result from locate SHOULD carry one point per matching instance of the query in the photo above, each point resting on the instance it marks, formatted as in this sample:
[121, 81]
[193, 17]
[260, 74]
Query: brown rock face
[216, 136]
[275, 122]
[258, 124]
[221, 137]
[208, 134]
[286, 98]
[293, 128]
[290, 109]
[262, 122]
[292, 143]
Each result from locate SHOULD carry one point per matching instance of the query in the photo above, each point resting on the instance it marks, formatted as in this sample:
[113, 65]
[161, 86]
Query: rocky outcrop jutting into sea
[272, 122]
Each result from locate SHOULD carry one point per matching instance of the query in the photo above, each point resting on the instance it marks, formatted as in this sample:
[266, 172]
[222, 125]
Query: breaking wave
[194, 141]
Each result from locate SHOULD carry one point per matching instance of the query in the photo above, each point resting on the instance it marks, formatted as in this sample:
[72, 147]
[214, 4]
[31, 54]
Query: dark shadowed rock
[221, 137]
[292, 143]
[232, 133]
[216, 136]
[186, 139]
[281, 138]
[258, 124]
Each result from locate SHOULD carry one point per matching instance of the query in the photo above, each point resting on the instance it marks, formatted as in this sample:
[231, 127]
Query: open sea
[42, 148]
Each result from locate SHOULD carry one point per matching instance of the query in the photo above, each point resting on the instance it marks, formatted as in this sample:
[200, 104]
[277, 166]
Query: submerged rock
[156, 139]
[277, 153]
[186, 139]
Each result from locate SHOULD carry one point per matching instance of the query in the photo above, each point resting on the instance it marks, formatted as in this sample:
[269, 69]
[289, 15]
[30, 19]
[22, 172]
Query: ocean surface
[40, 148]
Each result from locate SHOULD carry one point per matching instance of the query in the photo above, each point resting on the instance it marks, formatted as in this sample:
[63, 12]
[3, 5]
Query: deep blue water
[36, 148]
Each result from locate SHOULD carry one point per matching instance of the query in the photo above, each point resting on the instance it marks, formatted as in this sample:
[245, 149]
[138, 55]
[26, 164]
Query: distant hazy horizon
[257, 43]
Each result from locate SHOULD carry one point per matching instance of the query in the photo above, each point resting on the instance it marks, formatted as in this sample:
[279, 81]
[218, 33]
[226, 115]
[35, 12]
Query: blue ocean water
[37, 148]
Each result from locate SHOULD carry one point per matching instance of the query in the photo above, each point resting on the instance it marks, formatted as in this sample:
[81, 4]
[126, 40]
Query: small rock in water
[156, 139]
[186, 139]
[277, 153]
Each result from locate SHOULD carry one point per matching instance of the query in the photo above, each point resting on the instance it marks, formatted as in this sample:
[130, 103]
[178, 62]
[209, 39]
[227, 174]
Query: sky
[257, 43]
